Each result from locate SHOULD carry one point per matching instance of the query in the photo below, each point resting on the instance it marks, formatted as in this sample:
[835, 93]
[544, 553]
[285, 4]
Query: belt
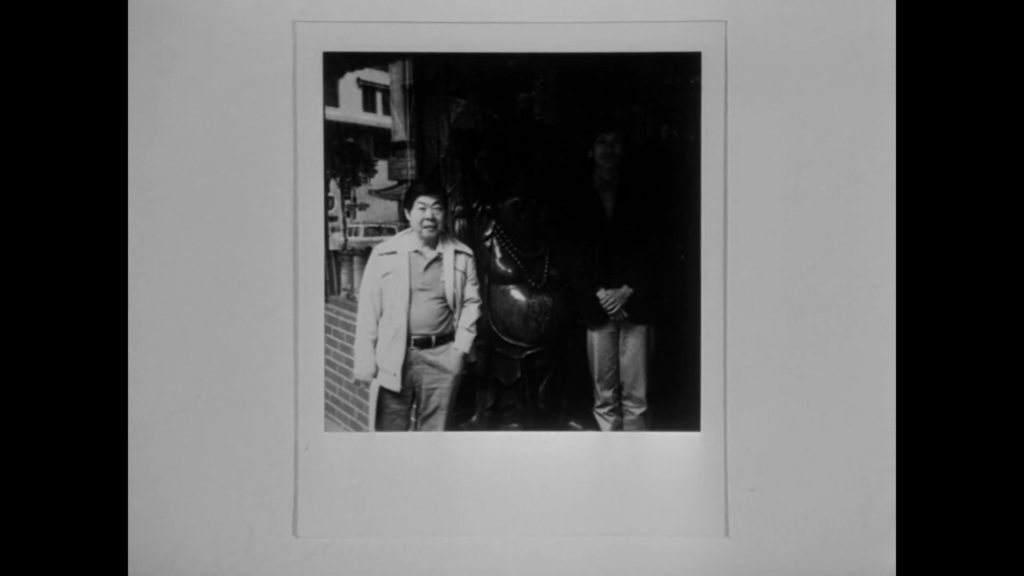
[424, 342]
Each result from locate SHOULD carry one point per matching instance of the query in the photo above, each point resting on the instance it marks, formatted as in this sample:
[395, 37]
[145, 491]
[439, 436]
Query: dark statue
[525, 371]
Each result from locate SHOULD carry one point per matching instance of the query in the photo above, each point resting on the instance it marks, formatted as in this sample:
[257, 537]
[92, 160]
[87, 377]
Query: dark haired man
[418, 307]
[616, 285]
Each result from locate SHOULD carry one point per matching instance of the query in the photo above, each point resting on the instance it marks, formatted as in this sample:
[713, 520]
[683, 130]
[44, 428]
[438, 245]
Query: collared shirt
[429, 312]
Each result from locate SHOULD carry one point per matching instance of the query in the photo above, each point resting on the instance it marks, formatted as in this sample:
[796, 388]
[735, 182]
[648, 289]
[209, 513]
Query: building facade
[358, 109]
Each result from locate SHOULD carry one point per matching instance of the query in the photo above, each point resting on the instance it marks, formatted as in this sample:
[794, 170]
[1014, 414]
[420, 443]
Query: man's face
[426, 218]
[608, 149]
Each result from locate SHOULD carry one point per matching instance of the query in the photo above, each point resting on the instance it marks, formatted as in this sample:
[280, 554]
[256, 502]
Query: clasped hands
[613, 301]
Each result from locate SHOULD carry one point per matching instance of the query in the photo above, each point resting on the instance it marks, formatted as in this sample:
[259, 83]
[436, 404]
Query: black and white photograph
[512, 241]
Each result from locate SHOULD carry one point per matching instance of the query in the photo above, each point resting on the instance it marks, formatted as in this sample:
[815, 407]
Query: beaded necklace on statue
[519, 255]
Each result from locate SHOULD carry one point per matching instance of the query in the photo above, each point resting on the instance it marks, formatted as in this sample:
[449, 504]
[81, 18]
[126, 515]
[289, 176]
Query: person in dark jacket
[616, 284]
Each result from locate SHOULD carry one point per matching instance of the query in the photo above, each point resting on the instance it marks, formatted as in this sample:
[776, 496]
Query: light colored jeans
[620, 355]
[429, 384]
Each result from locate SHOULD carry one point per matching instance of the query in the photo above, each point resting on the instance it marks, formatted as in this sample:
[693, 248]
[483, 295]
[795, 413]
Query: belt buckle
[428, 341]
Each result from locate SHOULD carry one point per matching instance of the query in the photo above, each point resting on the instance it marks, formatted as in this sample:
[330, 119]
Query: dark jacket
[616, 252]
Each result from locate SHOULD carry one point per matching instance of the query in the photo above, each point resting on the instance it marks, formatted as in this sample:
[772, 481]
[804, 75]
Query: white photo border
[504, 484]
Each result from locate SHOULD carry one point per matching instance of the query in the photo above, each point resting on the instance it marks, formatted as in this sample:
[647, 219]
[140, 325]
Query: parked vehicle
[362, 235]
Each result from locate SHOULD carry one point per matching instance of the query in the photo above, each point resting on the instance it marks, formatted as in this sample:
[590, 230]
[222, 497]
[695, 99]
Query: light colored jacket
[382, 326]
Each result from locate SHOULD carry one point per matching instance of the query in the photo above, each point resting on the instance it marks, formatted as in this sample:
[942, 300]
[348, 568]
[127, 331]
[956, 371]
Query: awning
[395, 193]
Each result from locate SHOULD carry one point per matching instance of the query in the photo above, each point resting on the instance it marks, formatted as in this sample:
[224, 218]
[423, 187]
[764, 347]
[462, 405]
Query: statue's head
[524, 211]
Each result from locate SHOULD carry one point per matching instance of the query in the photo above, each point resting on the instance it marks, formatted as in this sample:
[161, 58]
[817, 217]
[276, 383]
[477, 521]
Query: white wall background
[811, 296]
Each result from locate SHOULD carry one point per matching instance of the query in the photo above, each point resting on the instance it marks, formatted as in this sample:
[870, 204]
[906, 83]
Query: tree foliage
[349, 163]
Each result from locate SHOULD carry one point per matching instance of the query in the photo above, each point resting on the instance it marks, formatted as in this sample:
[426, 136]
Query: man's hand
[613, 300]
[458, 360]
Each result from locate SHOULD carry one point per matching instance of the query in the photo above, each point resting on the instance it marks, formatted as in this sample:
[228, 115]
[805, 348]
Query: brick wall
[346, 405]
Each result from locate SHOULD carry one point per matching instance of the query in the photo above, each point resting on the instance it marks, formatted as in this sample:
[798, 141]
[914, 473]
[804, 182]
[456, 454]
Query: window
[353, 232]
[372, 91]
[369, 99]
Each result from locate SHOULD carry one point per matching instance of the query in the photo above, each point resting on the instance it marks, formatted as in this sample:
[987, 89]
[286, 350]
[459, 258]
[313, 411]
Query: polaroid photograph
[568, 186]
[512, 236]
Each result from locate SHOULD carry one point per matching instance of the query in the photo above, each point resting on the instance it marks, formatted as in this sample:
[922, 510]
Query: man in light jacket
[418, 307]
